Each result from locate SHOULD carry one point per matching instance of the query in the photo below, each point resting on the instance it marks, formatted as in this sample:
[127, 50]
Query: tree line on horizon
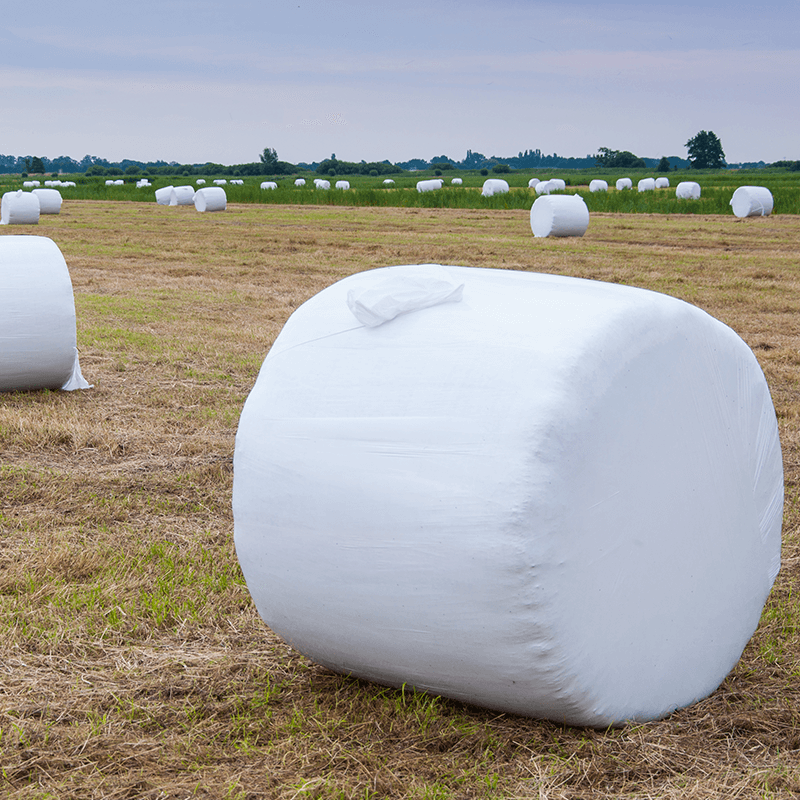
[705, 152]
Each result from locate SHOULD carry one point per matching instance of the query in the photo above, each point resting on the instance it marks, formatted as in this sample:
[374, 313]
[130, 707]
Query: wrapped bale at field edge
[19, 208]
[582, 522]
[37, 317]
[752, 201]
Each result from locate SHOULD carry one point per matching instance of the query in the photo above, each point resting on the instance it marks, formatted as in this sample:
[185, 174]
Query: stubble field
[133, 663]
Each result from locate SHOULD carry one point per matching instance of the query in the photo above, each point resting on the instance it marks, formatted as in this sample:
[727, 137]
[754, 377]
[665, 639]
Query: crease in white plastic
[38, 340]
[558, 497]
[403, 291]
[752, 201]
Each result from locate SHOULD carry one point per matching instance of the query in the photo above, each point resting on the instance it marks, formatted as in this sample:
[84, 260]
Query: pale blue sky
[219, 81]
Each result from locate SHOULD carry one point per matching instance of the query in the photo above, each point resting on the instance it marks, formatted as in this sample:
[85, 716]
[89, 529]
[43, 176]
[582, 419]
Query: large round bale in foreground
[210, 198]
[539, 494]
[752, 201]
[688, 190]
[559, 215]
[19, 208]
[493, 186]
[49, 200]
[37, 317]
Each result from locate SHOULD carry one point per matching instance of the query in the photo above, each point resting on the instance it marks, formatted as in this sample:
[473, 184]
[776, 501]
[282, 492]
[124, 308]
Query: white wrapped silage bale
[687, 190]
[68, 183]
[533, 182]
[752, 201]
[558, 184]
[319, 183]
[220, 181]
[29, 184]
[430, 185]
[163, 195]
[268, 185]
[19, 208]
[582, 522]
[544, 187]
[624, 183]
[119, 182]
[493, 186]
[37, 317]
[388, 182]
[236, 182]
[456, 181]
[561, 215]
[210, 198]
[300, 182]
[662, 183]
[200, 181]
[598, 185]
[646, 185]
[342, 184]
[49, 200]
[109, 182]
[181, 196]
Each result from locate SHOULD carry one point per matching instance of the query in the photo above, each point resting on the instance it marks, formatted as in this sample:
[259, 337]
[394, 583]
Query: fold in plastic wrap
[37, 317]
[557, 497]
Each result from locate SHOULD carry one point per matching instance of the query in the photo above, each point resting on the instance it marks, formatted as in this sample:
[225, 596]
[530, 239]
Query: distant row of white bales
[21, 207]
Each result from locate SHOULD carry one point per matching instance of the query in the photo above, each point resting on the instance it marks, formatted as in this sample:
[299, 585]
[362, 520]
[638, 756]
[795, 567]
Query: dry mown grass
[133, 664]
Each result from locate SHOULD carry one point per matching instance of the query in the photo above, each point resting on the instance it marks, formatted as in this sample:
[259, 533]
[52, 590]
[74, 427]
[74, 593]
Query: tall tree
[269, 158]
[37, 165]
[705, 151]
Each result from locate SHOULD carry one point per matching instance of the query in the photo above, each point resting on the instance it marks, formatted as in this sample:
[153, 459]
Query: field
[134, 664]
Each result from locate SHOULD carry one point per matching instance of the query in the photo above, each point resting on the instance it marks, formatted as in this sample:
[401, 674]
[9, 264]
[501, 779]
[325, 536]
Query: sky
[221, 80]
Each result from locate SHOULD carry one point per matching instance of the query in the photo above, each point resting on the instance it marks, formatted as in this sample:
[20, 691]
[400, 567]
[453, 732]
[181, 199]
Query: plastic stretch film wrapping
[544, 187]
[493, 186]
[268, 185]
[342, 185]
[646, 185]
[532, 182]
[181, 196]
[163, 195]
[456, 181]
[548, 496]
[38, 343]
[662, 183]
[49, 200]
[300, 182]
[752, 201]
[598, 185]
[430, 185]
[560, 215]
[210, 198]
[319, 183]
[688, 190]
[624, 183]
[19, 208]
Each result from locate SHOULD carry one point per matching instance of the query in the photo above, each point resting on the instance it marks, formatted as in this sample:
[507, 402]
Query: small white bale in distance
[109, 182]
[181, 196]
[19, 208]
[598, 185]
[37, 317]
[119, 182]
[559, 215]
[220, 181]
[29, 184]
[662, 183]
[752, 201]
[163, 195]
[68, 183]
[646, 185]
[342, 184]
[143, 183]
[388, 181]
[493, 186]
[300, 182]
[210, 198]
[544, 187]
[268, 185]
[687, 190]
[430, 185]
[319, 183]
[456, 181]
[49, 200]
[624, 183]
[200, 181]
[237, 182]
[558, 498]
[533, 182]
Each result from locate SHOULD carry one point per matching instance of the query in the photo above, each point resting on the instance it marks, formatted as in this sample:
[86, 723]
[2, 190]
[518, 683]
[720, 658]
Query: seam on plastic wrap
[272, 354]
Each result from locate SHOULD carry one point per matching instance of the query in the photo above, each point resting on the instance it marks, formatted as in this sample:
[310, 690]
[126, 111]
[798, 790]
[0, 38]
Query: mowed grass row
[134, 664]
[717, 189]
